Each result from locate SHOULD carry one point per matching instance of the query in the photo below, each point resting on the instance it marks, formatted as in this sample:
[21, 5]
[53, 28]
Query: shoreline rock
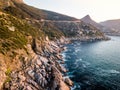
[42, 72]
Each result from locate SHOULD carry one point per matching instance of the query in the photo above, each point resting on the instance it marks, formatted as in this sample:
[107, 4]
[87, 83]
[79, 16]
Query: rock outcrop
[41, 72]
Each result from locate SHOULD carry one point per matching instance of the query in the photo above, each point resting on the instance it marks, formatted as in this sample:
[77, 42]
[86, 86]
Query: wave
[113, 71]
[103, 72]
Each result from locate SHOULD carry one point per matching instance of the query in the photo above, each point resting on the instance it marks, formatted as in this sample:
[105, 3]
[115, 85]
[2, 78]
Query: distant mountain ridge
[113, 24]
[101, 26]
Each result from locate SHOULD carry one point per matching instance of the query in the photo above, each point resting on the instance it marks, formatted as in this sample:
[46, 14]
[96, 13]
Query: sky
[99, 10]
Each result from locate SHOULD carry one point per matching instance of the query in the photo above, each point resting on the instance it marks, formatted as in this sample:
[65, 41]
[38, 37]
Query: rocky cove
[43, 71]
[31, 42]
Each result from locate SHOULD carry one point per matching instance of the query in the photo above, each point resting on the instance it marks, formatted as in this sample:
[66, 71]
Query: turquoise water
[94, 65]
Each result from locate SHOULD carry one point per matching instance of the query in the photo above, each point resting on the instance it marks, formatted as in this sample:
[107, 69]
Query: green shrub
[8, 72]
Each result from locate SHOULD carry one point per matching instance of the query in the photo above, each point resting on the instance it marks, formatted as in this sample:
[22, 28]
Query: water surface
[94, 65]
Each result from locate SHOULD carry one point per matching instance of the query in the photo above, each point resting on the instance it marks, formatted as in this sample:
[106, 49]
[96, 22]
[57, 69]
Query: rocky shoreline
[43, 71]
[87, 38]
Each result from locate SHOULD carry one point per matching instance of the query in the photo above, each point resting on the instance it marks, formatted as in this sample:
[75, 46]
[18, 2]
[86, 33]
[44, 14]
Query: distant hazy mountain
[113, 24]
[104, 26]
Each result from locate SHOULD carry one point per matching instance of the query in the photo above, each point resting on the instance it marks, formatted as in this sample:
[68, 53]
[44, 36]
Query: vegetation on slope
[25, 11]
[73, 29]
[14, 33]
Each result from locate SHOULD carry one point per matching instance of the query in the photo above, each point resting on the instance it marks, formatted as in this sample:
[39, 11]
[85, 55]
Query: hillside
[31, 40]
[114, 25]
[88, 19]
[79, 30]
[101, 27]
[22, 10]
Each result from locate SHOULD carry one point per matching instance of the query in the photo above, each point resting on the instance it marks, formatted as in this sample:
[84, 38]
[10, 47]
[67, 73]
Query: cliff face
[41, 71]
[28, 60]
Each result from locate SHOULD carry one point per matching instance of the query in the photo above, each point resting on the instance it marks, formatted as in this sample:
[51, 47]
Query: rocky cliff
[28, 59]
[41, 70]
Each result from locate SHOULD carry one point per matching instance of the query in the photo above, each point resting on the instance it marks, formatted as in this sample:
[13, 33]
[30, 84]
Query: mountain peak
[86, 18]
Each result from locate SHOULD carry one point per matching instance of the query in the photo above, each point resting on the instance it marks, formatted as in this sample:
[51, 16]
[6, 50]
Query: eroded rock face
[42, 72]
[68, 81]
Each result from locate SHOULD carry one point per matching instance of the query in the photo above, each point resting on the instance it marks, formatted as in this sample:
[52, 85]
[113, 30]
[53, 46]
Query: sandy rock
[68, 81]
[31, 74]
[2, 79]
[38, 62]
[59, 57]
[12, 28]
[22, 78]
[43, 59]
[63, 69]
[63, 86]
[29, 88]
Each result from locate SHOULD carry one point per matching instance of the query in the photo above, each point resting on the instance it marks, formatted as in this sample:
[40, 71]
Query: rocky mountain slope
[78, 30]
[101, 27]
[89, 20]
[30, 44]
[28, 60]
[114, 25]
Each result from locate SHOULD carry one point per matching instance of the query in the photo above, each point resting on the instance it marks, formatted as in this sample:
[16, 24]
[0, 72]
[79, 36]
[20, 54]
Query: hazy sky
[99, 10]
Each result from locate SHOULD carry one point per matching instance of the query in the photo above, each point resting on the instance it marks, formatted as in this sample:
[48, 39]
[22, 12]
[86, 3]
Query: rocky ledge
[43, 71]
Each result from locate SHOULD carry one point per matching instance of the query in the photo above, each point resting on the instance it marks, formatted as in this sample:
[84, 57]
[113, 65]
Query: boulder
[29, 88]
[63, 69]
[68, 82]
[22, 77]
[31, 74]
[43, 59]
[38, 62]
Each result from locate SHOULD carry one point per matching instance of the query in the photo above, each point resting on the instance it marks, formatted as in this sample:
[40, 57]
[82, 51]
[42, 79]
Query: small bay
[94, 65]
